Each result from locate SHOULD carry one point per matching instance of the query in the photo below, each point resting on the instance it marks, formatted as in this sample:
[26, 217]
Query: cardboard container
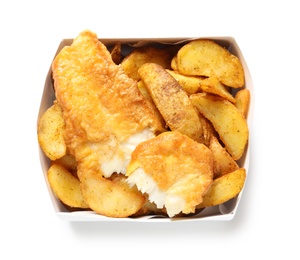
[222, 212]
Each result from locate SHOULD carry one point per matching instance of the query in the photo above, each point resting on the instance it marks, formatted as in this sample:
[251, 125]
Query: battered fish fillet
[173, 170]
[105, 114]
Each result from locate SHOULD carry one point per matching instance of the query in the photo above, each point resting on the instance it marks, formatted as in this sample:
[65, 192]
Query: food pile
[159, 130]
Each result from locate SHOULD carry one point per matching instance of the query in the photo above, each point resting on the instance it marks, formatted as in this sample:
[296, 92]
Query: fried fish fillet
[105, 114]
[173, 170]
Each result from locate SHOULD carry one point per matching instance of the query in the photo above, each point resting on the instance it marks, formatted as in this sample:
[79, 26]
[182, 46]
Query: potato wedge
[223, 162]
[206, 58]
[51, 132]
[224, 188]
[111, 197]
[116, 53]
[227, 120]
[139, 56]
[208, 130]
[146, 94]
[214, 86]
[242, 98]
[65, 186]
[174, 63]
[190, 84]
[171, 100]
[144, 90]
[68, 162]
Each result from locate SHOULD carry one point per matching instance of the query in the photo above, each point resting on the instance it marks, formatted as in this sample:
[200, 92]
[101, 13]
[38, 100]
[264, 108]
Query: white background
[267, 221]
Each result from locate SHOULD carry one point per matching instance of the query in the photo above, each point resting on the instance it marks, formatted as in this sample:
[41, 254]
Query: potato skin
[242, 98]
[172, 101]
[66, 186]
[146, 54]
[206, 58]
[223, 162]
[227, 120]
[224, 188]
[50, 132]
[190, 84]
[111, 197]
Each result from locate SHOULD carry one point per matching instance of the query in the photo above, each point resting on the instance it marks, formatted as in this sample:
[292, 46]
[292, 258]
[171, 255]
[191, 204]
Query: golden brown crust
[92, 90]
[177, 164]
[96, 95]
[101, 108]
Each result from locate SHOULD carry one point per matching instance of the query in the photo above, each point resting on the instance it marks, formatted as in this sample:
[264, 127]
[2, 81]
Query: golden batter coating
[102, 108]
[180, 168]
[96, 92]
[98, 99]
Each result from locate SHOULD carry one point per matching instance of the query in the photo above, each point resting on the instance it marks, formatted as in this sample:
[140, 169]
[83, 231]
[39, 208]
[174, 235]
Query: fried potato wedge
[197, 84]
[144, 90]
[208, 130]
[174, 63]
[50, 132]
[111, 197]
[223, 162]
[190, 84]
[227, 120]
[69, 162]
[224, 188]
[116, 53]
[147, 54]
[242, 98]
[150, 208]
[171, 100]
[65, 186]
[206, 58]
[214, 86]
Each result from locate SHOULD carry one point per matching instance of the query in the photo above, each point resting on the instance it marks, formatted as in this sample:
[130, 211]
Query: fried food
[196, 84]
[173, 170]
[224, 188]
[206, 58]
[96, 95]
[208, 130]
[50, 132]
[146, 54]
[150, 208]
[111, 197]
[190, 84]
[242, 98]
[223, 162]
[69, 162]
[140, 135]
[116, 53]
[171, 100]
[214, 86]
[227, 120]
[144, 90]
[65, 186]
[174, 63]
